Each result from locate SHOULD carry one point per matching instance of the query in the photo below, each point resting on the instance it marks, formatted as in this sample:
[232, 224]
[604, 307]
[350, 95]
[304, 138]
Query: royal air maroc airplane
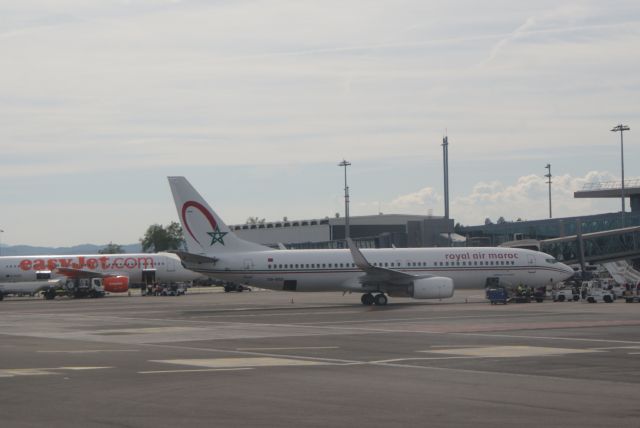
[420, 273]
[116, 270]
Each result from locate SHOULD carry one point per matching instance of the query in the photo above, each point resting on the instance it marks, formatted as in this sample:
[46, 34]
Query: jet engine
[116, 284]
[431, 288]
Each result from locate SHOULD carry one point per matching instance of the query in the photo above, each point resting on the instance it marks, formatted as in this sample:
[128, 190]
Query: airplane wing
[378, 275]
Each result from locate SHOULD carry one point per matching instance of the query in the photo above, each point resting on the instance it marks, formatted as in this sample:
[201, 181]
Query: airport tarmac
[267, 359]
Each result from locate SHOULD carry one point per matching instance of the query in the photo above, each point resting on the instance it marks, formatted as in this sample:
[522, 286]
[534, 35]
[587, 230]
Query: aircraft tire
[380, 299]
[367, 299]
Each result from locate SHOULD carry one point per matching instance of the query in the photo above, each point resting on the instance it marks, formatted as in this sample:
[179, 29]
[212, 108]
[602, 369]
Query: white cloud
[527, 199]
[146, 87]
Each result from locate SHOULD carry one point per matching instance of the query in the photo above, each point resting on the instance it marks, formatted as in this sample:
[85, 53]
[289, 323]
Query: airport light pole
[345, 164]
[621, 128]
[1, 232]
[548, 175]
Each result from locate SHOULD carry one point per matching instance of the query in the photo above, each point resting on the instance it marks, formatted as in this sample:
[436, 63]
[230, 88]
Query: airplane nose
[569, 271]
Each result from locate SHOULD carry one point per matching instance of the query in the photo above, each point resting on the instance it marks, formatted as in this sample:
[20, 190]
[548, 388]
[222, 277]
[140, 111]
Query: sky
[256, 103]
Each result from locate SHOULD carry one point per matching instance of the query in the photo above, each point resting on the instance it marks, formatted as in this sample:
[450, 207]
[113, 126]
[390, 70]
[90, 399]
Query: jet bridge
[597, 247]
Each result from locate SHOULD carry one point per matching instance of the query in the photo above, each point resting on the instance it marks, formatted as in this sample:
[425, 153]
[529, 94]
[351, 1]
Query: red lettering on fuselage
[91, 263]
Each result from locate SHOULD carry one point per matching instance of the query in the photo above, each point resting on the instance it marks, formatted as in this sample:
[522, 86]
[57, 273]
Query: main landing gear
[368, 299]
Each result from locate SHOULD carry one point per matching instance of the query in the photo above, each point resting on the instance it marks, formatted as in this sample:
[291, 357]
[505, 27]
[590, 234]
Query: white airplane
[117, 270]
[420, 273]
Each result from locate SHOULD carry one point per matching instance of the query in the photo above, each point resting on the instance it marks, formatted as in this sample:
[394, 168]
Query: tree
[112, 248]
[255, 220]
[158, 238]
[487, 221]
[501, 220]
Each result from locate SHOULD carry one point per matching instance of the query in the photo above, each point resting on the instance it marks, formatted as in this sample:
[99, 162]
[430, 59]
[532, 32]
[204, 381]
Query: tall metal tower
[621, 128]
[548, 175]
[345, 164]
[445, 160]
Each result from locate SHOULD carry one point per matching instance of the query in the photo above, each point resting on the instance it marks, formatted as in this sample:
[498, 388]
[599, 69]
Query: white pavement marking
[575, 339]
[287, 348]
[510, 351]
[149, 330]
[395, 360]
[88, 351]
[196, 370]
[43, 371]
[281, 314]
[240, 362]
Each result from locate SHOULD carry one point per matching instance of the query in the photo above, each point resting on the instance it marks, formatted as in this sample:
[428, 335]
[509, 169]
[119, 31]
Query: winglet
[358, 257]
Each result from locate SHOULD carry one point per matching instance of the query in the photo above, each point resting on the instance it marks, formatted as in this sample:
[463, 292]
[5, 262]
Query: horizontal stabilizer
[194, 258]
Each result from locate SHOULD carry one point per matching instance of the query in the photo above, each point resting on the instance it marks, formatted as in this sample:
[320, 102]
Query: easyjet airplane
[117, 270]
[420, 273]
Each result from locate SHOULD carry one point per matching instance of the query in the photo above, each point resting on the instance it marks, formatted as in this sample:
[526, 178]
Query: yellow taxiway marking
[216, 363]
[510, 351]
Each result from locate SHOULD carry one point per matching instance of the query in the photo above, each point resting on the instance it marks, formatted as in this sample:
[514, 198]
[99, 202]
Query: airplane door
[171, 265]
[248, 264]
[149, 276]
[531, 261]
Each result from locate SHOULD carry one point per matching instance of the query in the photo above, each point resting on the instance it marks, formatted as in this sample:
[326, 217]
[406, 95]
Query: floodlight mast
[548, 175]
[345, 164]
[621, 128]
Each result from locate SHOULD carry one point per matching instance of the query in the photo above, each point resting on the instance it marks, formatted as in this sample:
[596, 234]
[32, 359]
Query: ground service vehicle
[497, 295]
[594, 292]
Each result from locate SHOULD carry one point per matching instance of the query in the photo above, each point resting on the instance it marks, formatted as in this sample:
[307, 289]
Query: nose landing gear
[368, 299]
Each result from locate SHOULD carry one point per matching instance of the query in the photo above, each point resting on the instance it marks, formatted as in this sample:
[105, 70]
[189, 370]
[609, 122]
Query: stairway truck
[84, 287]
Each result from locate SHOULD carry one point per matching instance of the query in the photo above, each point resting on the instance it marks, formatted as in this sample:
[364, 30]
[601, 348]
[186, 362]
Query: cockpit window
[552, 261]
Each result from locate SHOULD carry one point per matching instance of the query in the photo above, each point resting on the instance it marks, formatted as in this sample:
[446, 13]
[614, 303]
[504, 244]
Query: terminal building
[490, 235]
[374, 231]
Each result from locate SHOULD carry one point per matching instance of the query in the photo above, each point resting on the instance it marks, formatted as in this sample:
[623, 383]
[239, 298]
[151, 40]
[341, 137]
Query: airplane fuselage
[334, 270]
[166, 267]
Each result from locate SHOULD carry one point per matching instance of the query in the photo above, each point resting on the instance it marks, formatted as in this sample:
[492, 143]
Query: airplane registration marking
[215, 363]
[510, 351]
